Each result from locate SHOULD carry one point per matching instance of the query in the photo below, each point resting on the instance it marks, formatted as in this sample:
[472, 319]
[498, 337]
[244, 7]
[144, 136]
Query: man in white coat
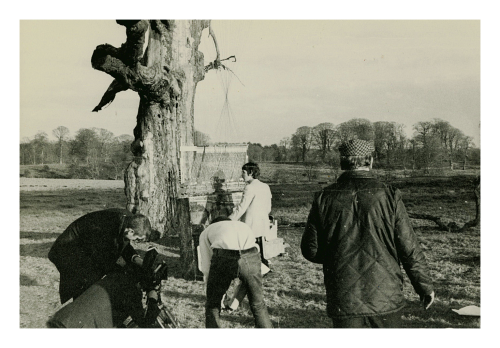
[253, 209]
[255, 205]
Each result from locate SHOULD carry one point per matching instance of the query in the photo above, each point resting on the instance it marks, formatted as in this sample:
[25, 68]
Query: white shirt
[229, 235]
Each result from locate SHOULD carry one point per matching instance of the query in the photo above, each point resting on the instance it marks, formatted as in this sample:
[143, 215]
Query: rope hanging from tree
[222, 163]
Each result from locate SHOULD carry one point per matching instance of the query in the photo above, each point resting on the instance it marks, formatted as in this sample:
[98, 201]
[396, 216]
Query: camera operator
[96, 244]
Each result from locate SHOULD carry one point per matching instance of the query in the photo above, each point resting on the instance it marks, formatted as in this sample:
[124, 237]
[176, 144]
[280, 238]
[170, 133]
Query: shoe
[224, 304]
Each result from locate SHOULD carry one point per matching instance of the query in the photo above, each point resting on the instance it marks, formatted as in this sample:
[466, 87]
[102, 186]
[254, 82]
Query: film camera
[156, 314]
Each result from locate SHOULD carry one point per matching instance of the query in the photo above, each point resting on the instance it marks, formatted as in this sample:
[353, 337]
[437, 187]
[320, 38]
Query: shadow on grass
[27, 281]
[36, 250]
[294, 318]
[304, 296]
[179, 295]
[241, 318]
[472, 260]
[38, 235]
[428, 230]
[280, 318]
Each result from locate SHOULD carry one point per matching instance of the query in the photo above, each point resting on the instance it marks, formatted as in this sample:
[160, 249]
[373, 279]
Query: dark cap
[356, 147]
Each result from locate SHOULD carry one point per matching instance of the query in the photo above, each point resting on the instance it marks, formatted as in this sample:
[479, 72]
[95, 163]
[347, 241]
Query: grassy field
[294, 292]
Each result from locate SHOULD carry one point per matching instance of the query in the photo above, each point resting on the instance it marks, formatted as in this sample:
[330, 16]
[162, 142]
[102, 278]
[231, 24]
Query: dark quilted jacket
[359, 230]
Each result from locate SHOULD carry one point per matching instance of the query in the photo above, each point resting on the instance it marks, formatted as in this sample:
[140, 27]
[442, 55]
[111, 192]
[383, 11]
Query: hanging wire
[226, 128]
[230, 42]
[230, 36]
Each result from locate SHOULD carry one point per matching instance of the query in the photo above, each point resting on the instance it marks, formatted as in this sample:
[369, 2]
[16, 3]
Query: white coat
[255, 207]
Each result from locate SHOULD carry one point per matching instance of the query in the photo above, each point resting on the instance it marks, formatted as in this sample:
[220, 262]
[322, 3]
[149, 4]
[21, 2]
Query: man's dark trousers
[227, 265]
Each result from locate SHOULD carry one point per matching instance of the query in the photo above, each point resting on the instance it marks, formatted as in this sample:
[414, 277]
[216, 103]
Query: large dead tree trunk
[161, 62]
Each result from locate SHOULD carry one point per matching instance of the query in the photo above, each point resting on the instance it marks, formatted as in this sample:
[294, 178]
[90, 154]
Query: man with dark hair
[253, 209]
[228, 251]
[95, 245]
[358, 228]
[255, 205]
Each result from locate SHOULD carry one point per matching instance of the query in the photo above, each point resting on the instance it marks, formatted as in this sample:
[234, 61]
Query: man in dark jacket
[105, 304]
[94, 245]
[358, 228]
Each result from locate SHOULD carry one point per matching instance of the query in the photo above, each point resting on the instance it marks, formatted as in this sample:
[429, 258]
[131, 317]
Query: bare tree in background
[465, 144]
[41, 143]
[283, 149]
[104, 143]
[356, 128]
[389, 141]
[448, 136]
[302, 141]
[427, 143]
[61, 133]
[324, 137]
[27, 150]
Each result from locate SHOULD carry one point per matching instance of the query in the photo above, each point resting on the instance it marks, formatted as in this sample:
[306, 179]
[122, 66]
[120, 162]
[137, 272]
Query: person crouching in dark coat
[358, 228]
[94, 245]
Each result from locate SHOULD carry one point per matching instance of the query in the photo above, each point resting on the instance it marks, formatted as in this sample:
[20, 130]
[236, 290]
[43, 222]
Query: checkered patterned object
[356, 147]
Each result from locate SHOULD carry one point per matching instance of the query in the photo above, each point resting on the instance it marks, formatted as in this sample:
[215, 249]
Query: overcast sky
[288, 74]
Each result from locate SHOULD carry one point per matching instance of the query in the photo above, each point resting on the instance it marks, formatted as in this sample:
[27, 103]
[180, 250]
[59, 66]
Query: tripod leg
[167, 320]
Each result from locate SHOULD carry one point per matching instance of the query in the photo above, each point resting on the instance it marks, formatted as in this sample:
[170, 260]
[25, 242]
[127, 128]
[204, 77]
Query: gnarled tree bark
[161, 62]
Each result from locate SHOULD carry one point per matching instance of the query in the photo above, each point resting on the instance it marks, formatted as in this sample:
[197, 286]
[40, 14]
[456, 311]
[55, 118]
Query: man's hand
[427, 300]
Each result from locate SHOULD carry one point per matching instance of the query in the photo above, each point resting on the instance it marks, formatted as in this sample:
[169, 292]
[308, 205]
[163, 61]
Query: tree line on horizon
[97, 154]
[92, 153]
[434, 144]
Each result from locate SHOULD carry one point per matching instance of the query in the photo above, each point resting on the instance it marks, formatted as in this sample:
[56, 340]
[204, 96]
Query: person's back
[228, 250]
[358, 228]
[255, 205]
[90, 247]
[360, 250]
[257, 213]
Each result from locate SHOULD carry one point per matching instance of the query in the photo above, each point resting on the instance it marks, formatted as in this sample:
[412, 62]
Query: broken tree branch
[121, 63]
[108, 97]
[452, 226]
